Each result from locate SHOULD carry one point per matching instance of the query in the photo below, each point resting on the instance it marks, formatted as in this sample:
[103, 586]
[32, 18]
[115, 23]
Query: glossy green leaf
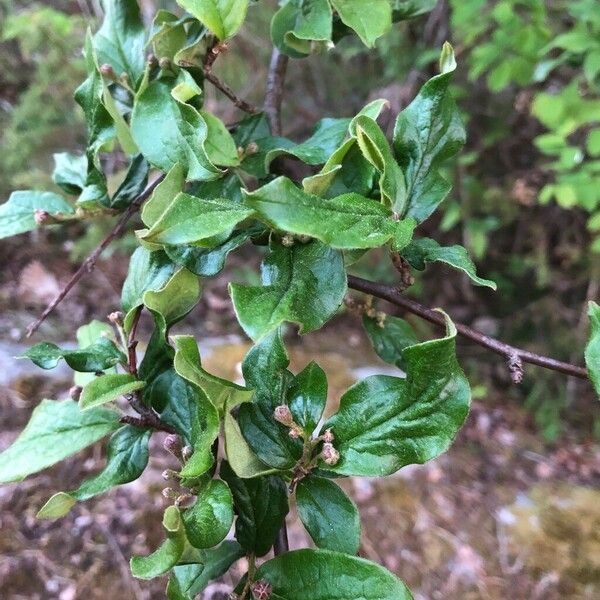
[133, 185]
[127, 457]
[167, 555]
[592, 350]
[390, 340]
[209, 520]
[265, 371]
[307, 396]
[425, 250]
[369, 18]
[408, 9]
[345, 222]
[377, 151]
[170, 132]
[70, 171]
[190, 219]
[428, 132]
[87, 335]
[187, 581]
[222, 17]
[330, 517]
[304, 284]
[120, 41]
[220, 147]
[108, 388]
[55, 431]
[319, 574]
[385, 423]
[163, 195]
[261, 506]
[17, 214]
[168, 34]
[101, 355]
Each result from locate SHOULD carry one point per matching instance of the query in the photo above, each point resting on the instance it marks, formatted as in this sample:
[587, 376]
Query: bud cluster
[282, 414]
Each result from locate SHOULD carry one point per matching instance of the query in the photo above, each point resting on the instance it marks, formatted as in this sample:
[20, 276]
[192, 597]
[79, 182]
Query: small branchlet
[403, 267]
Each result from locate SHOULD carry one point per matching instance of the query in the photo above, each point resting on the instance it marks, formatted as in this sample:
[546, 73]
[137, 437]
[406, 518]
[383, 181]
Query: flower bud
[251, 148]
[262, 590]
[330, 455]
[116, 317]
[283, 415]
[183, 499]
[75, 392]
[170, 493]
[40, 216]
[295, 433]
[164, 62]
[169, 474]
[328, 436]
[172, 444]
[187, 452]
[152, 60]
[107, 70]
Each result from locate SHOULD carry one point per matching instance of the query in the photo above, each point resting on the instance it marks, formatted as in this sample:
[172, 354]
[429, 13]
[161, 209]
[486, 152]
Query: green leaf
[190, 219]
[121, 41]
[86, 336]
[428, 132]
[330, 517]
[127, 457]
[408, 9]
[70, 172]
[168, 132]
[163, 195]
[385, 423]
[345, 222]
[220, 147]
[334, 575]
[425, 250]
[307, 396]
[209, 520]
[377, 151]
[261, 506]
[265, 371]
[592, 350]
[168, 34]
[207, 262]
[168, 553]
[304, 284]
[369, 18]
[187, 581]
[55, 431]
[222, 17]
[390, 340]
[108, 388]
[99, 356]
[17, 214]
[133, 185]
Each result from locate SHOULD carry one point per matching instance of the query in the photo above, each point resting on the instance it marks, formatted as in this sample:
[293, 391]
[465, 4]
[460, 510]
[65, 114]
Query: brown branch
[514, 356]
[144, 422]
[87, 266]
[274, 95]
[223, 87]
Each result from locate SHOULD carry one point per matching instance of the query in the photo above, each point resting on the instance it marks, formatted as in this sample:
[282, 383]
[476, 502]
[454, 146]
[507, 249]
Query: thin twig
[514, 355]
[221, 85]
[274, 95]
[87, 266]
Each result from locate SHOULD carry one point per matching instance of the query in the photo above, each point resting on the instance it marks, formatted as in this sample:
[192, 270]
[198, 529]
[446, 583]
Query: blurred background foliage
[526, 197]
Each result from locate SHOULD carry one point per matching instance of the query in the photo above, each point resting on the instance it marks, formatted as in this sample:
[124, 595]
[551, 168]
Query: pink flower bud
[262, 590]
[328, 436]
[75, 392]
[283, 415]
[116, 317]
[40, 216]
[187, 452]
[172, 444]
[107, 70]
[330, 455]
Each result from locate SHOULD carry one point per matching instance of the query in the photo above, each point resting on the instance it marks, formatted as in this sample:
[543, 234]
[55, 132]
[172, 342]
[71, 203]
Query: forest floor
[501, 515]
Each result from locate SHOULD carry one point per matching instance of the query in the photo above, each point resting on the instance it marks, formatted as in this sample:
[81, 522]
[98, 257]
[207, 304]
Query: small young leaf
[70, 171]
[385, 423]
[261, 506]
[99, 356]
[304, 284]
[330, 517]
[108, 388]
[17, 214]
[55, 431]
[163, 195]
[168, 554]
[346, 222]
[334, 575]
[133, 185]
[425, 250]
[307, 396]
[390, 340]
[222, 17]
[592, 350]
[209, 520]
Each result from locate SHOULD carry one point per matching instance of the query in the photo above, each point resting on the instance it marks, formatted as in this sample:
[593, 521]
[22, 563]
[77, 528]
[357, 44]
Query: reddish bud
[330, 455]
[295, 433]
[107, 70]
[283, 415]
[41, 216]
[251, 148]
[187, 452]
[262, 590]
[75, 392]
[164, 62]
[116, 317]
[328, 436]
[172, 444]
[170, 493]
